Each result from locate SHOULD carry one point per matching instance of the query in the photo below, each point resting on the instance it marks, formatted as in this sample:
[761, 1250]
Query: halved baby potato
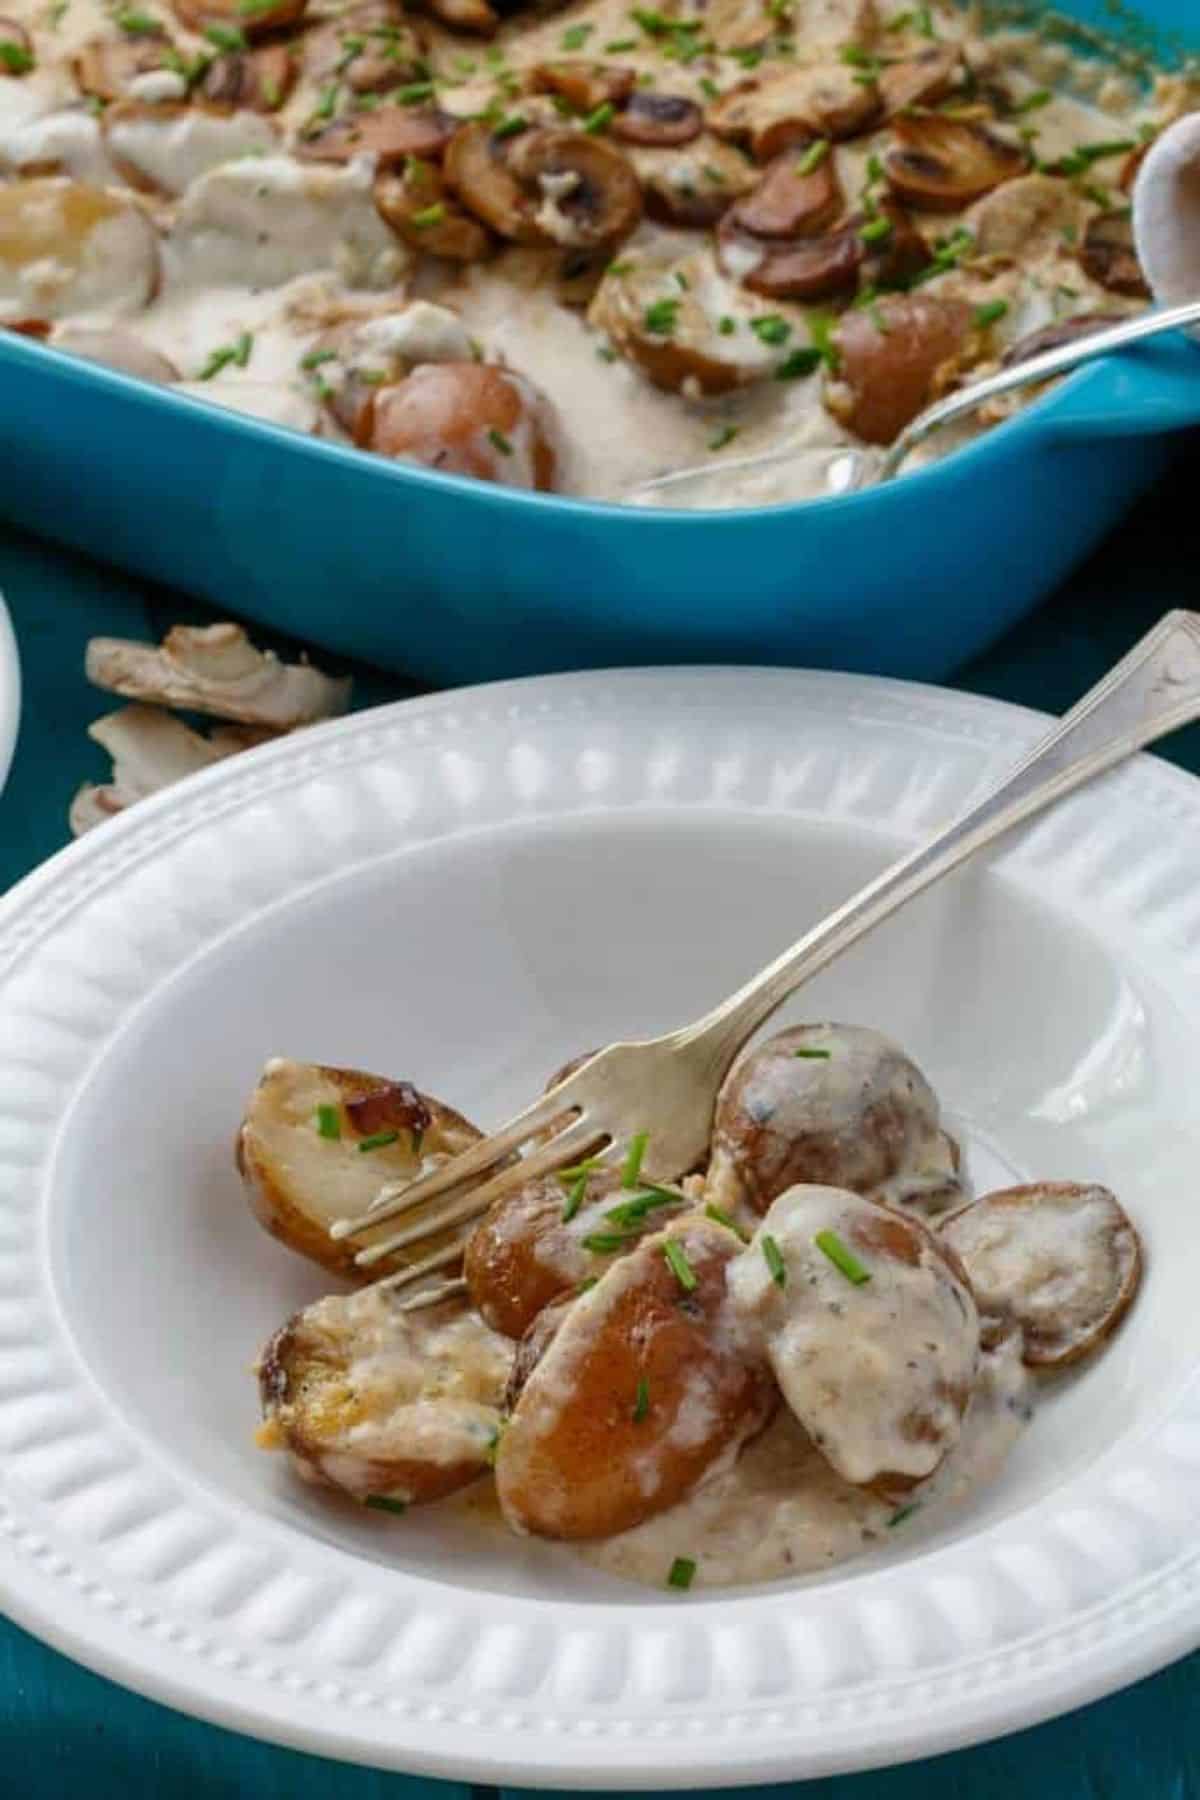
[895, 357]
[318, 1144]
[644, 1386]
[383, 1404]
[868, 1321]
[69, 248]
[1061, 1260]
[684, 325]
[691, 184]
[467, 418]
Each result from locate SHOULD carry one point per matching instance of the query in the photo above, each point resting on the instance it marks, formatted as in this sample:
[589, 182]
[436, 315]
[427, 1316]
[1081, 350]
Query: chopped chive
[414, 91]
[575, 1198]
[875, 168]
[428, 215]
[225, 37]
[16, 59]
[607, 1243]
[585, 1287]
[641, 1404]
[726, 326]
[569, 1176]
[619, 44]
[272, 93]
[315, 358]
[606, 353]
[876, 230]
[814, 156]
[576, 36]
[385, 1503]
[255, 9]
[679, 1265]
[771, 329]
[724, 434]
[813, 1055]
[329, 1122]
[681, 280]
[719, 1216]
[465, 65]
[631, 1168]
[603, 115]
[326, 102]
[1080, 160]
[635, 1210]
[56, 13]
[378, 1140]
[660, 317]
[1032, 102]
[138, 24]
[749, 59]
[831, 1244]
[237, 353]
[773, 1257]
[682, 1574]
[492, 1446]
[509, 127]
[499, 442]
[989, 313]
[906, 1512]
[924, 21]
[709, 88]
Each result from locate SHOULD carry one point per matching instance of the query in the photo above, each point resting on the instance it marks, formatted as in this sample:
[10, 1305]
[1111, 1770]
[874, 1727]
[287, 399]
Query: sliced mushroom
[464, 15]
[894, 358]
[1053, 337]
[467, 418]
[586, 85]
[370, 47]
[549, 185]
[922, 80]
[259, 80]
[692, 186]
[662, 119]
[388, 133]
[69, 248]
[826, 100]
[215, 669]
[414, 202]
[150, 750]
[791, 200]
[942, 164]
[1059, 1259]
[740, 24]
[252, 20]
[821, 268]
[1028, 218]
[106, 68]
[673, 330]
[1109, 256]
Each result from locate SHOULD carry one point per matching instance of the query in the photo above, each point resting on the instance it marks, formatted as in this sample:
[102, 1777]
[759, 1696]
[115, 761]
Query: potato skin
[574, 1461]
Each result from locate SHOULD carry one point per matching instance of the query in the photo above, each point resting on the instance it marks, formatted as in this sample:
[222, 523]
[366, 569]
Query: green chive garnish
[876, 230]
[831, 1244]
[329, 1122]
[315, 358]
[989, 313]
[576, 36]
[724, 434]
[1032, 102]
[814, 1055]
[632, 1166]
[138, 24]
[414, 91]
[236, 353]
[773, 1257]
[225, 37]
[596, 121]
[906, 1512]
[660, 317]
[16, 59]
[641, 1404]
[726, 326]
[804, 361]
[814, 156]
[569, 1176]
[679, 1265]
[509, 127]
[709, 89]
[771, 329]
[576, 1197]
[607, 1243]
[499, 442]
[586, 1286]
[634, 1211]
[619, 44]
[683, 1571]
[429, 215]
[378, 1140]
[720, 1217]
[385, 1503]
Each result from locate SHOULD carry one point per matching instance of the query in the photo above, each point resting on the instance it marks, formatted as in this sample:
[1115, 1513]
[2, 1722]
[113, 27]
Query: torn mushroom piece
[150, 750]
[942, 164]
[389, 134]
[67, 248]
[740, 24]
[252, 18]
[583, 85]
[547, 185]
[925, 79]
[464, 15]
[370, 48]
[1060, 1260]
[108, 68]
[893, 359]
[413, 200]
[259, 80]
[664, 120]
[797, 106]
[692, 185]
[794, 198]
[1031, 217]
[1108, 256]
[215, 669]
[467, 418]
[684, 326]
[882, 251]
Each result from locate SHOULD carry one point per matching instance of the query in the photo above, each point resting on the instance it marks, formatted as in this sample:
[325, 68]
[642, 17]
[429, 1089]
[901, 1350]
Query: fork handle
[1154, 690]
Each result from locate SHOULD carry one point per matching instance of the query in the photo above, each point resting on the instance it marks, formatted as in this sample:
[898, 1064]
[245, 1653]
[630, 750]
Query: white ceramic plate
[412, 890]
[10, 692]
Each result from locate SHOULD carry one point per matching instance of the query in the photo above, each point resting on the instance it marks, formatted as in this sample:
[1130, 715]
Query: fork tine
[475, 1161]
[427, 1266]
[431, 1297]
[557, 1154]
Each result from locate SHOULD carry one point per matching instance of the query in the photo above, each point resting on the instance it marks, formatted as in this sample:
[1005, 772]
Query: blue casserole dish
[459, 581]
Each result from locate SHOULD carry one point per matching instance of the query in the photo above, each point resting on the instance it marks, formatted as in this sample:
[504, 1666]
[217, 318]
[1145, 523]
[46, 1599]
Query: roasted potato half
[318, 1144]
[1060, 1260]
[643, 1387]
[382, 1404]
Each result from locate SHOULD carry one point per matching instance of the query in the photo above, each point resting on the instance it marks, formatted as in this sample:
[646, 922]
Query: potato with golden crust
[870, 1326]
[385, 1405]
[644, 1386]
[467, 418]
[895, 358]
[318, 1144]
[685, 325]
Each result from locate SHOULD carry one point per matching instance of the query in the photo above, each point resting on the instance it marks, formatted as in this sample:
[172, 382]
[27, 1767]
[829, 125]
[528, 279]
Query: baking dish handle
[1149, 389]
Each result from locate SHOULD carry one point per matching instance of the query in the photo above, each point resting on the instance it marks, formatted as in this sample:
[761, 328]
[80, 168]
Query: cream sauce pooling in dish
[261, 253]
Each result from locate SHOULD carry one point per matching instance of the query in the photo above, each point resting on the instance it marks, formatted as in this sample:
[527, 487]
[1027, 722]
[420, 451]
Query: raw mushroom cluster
[820, 1329]
[728, 195]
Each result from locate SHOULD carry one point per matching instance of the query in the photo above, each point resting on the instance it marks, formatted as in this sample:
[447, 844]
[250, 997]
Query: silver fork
[672, 1081]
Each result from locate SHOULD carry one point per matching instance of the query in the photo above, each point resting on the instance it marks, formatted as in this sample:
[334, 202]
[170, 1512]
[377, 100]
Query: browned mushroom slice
[664, 119]
[548, 185]
[821, 268]
[16, 48]
[1053, 337]
[105, 68]
[942, 164]
[586, 85]
[467, 419]
[674, 334]
[259, 80]
[477, 170]
[922, 80]
[1060, 1259]
[694, 184]
[740, 24]
[464, 15]
[828, 100]
[389, 133]
[792, 199]
[1109, 256]
[251, 17]
[414, 202]
[893, 360]
[371, 48]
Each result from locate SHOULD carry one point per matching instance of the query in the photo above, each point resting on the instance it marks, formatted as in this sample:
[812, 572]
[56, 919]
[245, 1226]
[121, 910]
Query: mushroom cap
[256, 21]
[586, 85]
[551, 184]
[942, 164]
[790, 201]
[658, 119]
[414, 202]
[796, 106]
[925, 79]
[370, 47]
[388, 133]
[467, 418]
[692, 184]
[260, 79]
[1109, 257]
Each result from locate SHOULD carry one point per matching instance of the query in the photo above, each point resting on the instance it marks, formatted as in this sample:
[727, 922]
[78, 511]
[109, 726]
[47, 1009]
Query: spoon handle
[1152, 691]
[1036, 369]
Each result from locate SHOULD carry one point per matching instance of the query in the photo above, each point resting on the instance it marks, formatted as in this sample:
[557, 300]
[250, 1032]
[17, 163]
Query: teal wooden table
[64, 1731]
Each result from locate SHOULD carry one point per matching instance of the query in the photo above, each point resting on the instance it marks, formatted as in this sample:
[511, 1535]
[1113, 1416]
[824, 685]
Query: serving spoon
[670, 1083]
[851, 470]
